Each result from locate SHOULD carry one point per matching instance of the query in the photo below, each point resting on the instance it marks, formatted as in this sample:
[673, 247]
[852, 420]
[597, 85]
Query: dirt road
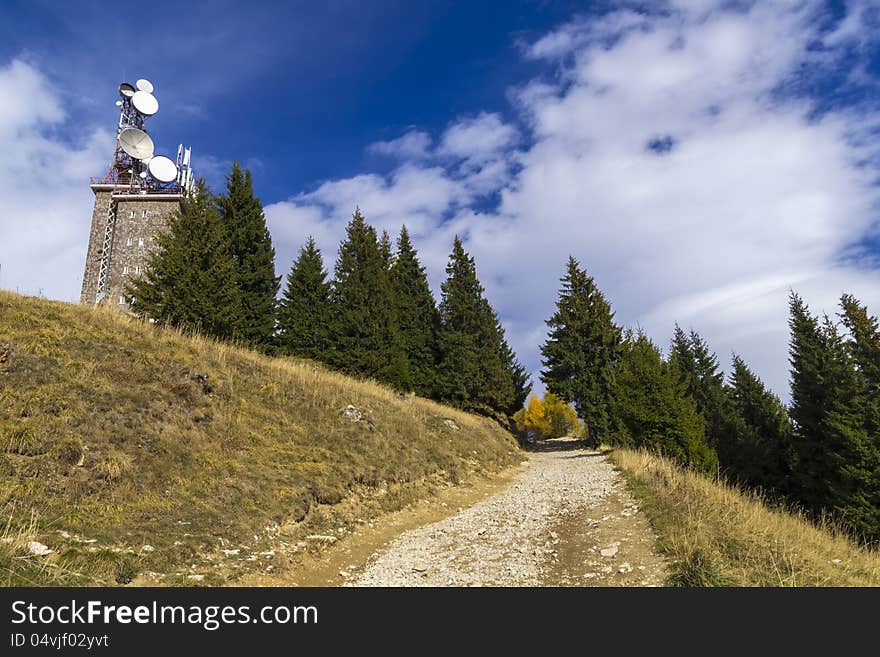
[566, 520]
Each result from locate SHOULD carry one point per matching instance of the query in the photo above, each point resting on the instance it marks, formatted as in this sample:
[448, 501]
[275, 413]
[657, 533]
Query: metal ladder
[106, 249]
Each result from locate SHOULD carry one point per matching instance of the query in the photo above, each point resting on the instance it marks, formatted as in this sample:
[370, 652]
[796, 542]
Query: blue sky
[700, 157]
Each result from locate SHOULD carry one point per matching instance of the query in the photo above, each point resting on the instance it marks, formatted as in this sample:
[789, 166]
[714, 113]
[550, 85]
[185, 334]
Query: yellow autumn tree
[547, 418]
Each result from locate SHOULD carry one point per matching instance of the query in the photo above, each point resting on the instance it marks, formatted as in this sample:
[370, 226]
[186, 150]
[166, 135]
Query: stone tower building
[132, 219]
[133, 202]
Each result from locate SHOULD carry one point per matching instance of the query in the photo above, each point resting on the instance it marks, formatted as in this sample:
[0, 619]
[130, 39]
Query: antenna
[186, 156]
[163, 169]
[136, 143]
[126, 90]
[145, 102]
[179, 154]
[144, 85]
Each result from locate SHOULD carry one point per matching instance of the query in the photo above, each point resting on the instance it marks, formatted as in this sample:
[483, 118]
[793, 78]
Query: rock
[625, 568]
[554, 536]
[835, 561]
[196, 578]
[419, 567]
[38, 549]
[451, 424]
[147, 548]
[343, 574]
[6, 352]
[352, 413]
[609, 551]
[230, 553]
[322, 538]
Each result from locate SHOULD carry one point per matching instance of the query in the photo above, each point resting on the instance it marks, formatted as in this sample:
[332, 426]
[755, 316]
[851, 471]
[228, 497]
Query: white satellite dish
[144, 85]
[136, 143]
[163, 169]
[145, 103]
[126, 90]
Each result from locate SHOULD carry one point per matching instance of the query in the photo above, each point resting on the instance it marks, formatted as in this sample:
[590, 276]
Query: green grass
[716, 534]
[111, 439]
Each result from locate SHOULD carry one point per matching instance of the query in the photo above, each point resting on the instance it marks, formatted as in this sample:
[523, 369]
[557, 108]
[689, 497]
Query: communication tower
[133, 201]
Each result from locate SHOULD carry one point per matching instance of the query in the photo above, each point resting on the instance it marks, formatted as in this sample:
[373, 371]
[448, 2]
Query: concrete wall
[139, 219]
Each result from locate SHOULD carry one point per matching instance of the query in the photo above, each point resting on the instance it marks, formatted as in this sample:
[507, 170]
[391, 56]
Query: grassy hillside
[718, 535]
[138, 454]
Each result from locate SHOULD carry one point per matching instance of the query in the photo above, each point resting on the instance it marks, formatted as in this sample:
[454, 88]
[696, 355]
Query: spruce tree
[364, 335]
[864, 348]
[763, 455]
[835, 470]
[189, 280]
[471, 373]
[654, 409]
[582, 346]
[254, 255]
[698, 370]
[304, 311]
[417, 316]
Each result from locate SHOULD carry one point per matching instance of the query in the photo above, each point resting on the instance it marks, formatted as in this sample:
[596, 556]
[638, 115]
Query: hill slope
[718, 535]
[129, 449]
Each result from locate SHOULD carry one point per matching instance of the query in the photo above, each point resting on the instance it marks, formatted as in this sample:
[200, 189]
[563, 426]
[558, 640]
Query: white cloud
[414, 145]
[752, 196]
[478, 140]
[46, 201]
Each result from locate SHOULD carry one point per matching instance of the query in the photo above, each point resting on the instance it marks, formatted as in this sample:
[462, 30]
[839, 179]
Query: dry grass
[109, 432]
[718, 535]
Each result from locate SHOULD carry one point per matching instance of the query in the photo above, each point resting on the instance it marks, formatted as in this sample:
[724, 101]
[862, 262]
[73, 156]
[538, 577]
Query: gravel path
[567, 519]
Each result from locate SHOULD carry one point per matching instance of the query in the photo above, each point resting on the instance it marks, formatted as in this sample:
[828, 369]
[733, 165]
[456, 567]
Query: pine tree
[364, 335]
[417, 316]
[522, 384]
[832, 445]
[654, 409]
[251, 248]
[582, 346]
[763, 455]
[471, 373]
[698, 369]
[864, 348]
[189, 281]
[304, 311]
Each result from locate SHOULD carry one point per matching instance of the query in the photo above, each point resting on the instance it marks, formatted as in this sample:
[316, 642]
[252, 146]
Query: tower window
[128, 242]
[131, 215]
[124, 271]
[144, 214]
[137, 269]
[121, 301]
[141, 241]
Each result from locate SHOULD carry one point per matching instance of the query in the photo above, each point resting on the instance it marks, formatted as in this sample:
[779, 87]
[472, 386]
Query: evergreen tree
[698, 370]
[471, 373]
[251, 248]
[832, 445]
[864, 348]
[189, 280]
[522, 384]
[385, 249]
[582, 346]
[763, 456]
[654, 409]
[364, 335]
[417, 315]
[304, 311]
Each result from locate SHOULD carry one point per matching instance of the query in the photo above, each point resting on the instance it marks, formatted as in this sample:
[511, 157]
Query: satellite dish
[145, 103]
[136, 143]
[126, 90]
[163, 169]
[144, 85]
